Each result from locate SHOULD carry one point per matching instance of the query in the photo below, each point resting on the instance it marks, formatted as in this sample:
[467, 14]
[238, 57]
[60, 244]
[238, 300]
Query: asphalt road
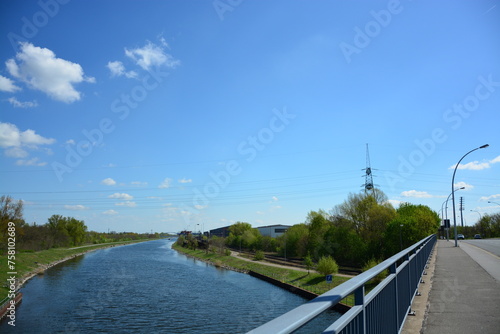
[490, 245]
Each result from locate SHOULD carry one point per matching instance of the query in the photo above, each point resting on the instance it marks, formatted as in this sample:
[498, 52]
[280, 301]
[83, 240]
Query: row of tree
[59, 231]
[364, 227]
[488, 227]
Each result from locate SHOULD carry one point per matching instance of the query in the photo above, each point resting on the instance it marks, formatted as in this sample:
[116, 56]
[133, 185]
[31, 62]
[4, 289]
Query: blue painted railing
[383, 310]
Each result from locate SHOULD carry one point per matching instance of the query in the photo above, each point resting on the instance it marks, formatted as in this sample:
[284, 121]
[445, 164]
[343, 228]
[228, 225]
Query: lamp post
[493, 203]
[479, 213]
[446, 211]
[453, 193]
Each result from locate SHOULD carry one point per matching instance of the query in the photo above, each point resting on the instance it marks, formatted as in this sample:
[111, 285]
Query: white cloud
[463, 184]
[487, 198]
[123, 196]
[109, 212]
[185, 181]
[127, 204]
[10, 136]
[70, 142]
[77, 207]
[18, 104]
[31, 162]
[166, 183]
[415, 193]
[16, 152]
[17, 143]
[117, 69]
[200, 207]
[139, 183]
[151, 55]
[476, 165]
[7, 85]
[108, 182]
[41, 70]
[275, 198]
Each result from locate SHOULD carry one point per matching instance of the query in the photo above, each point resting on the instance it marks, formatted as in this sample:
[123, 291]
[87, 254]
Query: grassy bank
[29, 263]
[312, 282]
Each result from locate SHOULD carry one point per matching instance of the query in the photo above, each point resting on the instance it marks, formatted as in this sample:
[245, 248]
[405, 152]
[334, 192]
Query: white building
[273, 231]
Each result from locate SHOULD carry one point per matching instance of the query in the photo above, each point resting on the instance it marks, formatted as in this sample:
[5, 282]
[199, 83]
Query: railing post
[359, 299]
[393, 270]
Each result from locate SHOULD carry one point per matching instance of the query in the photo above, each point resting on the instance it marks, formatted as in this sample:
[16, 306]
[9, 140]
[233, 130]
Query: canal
[149, 288]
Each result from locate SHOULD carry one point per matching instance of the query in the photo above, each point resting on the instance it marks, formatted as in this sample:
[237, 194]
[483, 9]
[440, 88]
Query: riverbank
[29, 264]
[309, 285]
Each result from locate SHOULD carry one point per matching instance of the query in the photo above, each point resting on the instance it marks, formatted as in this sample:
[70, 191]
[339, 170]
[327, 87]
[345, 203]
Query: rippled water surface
[147, 288]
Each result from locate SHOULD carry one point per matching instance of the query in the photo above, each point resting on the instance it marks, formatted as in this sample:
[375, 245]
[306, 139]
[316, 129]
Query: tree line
[364, 228]
[360, 232]
[58, 231]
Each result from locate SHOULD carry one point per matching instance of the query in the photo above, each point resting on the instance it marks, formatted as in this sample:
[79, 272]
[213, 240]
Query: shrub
[259, 255]
[327, 265]
[372, 263]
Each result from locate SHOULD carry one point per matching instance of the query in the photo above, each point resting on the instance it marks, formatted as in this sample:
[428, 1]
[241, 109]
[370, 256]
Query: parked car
[477, 236]
[460, 237]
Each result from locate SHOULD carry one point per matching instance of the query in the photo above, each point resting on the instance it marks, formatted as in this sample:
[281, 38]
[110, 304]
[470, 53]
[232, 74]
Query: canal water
[149, 288]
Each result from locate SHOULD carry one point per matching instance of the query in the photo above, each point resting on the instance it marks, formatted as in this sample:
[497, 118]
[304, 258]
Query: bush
[327, 265]
[372, 263]
[259, 255]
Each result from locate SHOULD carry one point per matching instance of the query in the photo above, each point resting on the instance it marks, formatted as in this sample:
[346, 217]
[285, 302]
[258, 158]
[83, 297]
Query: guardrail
[383, 310]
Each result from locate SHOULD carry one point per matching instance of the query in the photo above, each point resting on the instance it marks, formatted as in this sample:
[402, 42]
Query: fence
[383, 310]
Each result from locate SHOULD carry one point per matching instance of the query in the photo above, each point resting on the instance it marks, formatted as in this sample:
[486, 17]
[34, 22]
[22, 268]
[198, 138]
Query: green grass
[25, 262]
[312, 282]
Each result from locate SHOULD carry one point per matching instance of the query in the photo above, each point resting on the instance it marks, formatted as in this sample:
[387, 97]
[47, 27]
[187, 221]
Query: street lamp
[479, 213]
[493, 203]
[446, 211]
[453, 193]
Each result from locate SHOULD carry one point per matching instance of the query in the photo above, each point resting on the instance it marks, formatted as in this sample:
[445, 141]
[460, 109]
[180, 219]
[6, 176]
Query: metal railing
[383, 310]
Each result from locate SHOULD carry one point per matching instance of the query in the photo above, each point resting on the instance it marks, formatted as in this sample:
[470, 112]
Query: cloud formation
[7, 85]
[151, 55]
[40, 69]
[18, 104]
[464, 185]
[123, 196]
[108, 182]
[117, 69]
[166, 183]
[476, 165]
[77, 207]
[17, 143]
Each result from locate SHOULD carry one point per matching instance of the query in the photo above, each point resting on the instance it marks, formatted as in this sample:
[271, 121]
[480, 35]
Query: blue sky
[167, 115]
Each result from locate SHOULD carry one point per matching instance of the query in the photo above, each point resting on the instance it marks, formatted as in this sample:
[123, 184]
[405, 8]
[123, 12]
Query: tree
[369, 215]
[236, 232]
[308, 262]
[318, 225]
[411, 224]
[295, 240]
[11, 211]
[327, 265]
[76, 230]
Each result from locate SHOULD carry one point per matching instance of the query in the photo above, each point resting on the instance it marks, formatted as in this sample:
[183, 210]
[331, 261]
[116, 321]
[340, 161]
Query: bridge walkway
[464, 297]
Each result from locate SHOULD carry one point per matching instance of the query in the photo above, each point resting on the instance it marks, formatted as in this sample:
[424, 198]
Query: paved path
[236, 255]
[464, 297]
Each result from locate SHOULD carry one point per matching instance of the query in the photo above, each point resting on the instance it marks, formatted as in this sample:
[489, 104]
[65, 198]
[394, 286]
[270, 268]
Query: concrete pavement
[464, 297]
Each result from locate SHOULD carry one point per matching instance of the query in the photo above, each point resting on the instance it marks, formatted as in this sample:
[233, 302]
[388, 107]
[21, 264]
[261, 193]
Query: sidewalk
[464, 298]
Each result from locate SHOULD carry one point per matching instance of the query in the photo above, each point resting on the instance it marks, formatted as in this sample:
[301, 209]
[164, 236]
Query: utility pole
[461, 210]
